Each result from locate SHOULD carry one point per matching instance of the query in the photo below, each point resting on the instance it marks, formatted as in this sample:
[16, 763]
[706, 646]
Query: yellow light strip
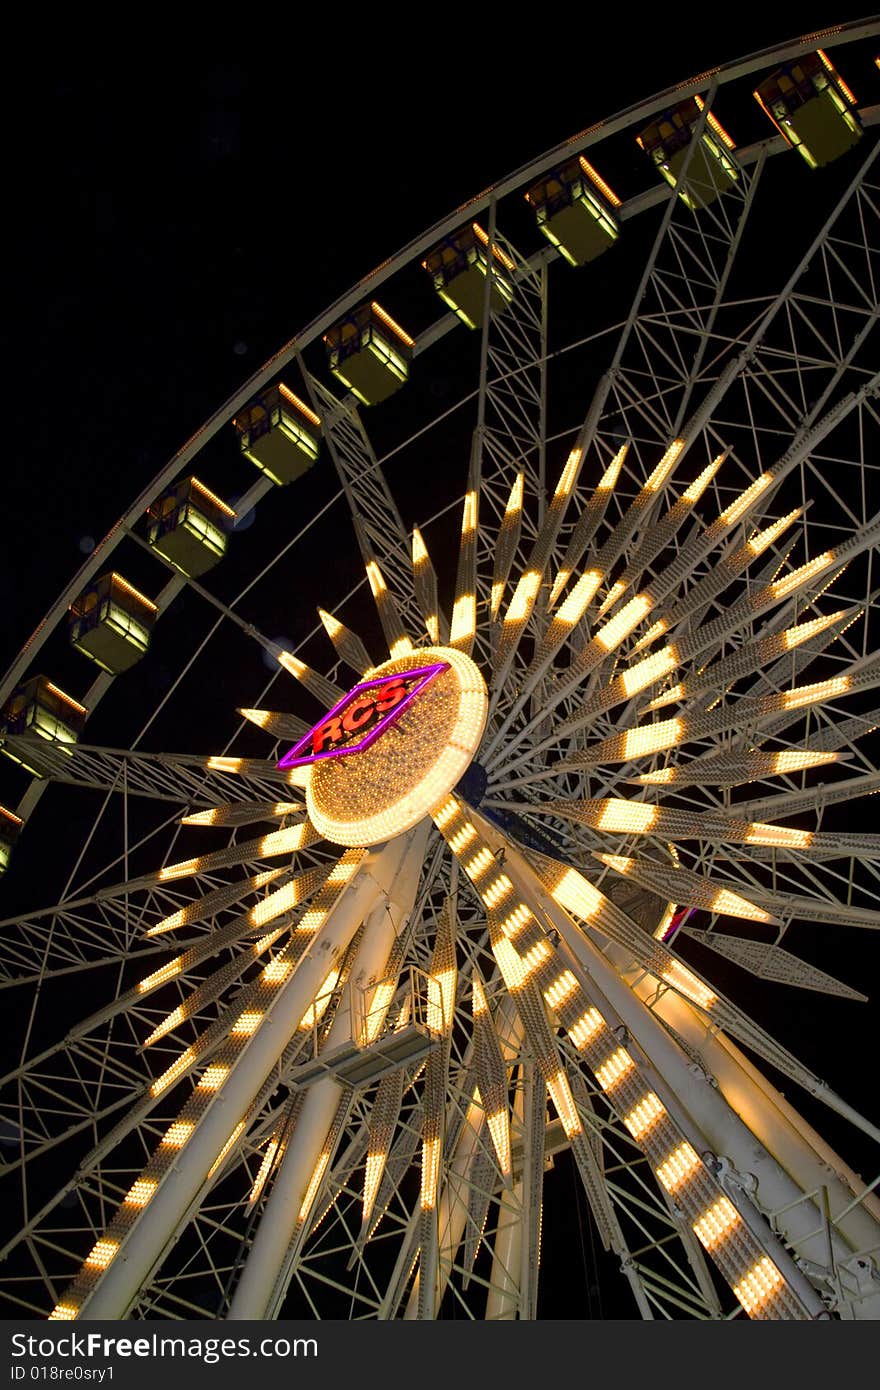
[515, 500]
[194, 483]
[576, 894]
[101, 1253]
[375, 1167]
[731, 904]
[568, 475]
[419, 549]
[815, 694]
[656, 630]
[759, 1285]
[174, 1072]
[770, 116]
[510, 965]
[426, 585]
[247, 1023]
[226, 1148]
[140, 1192]
[627, 817]
[679, 1167]
[731, 515]
[135, 593]
[780, 836]
[586, 1028]
[213, 1076]
[534, 958]
[782, 587]
[716, 1224]
[496, 249]
[478, 995]
[581, 596]
[644, 1116]
[290, 895]
[74, 704]
[650, 738]
[617, 588]
[802, 632]
[629, 617]
[321, 1003]
[600, 183]
[264, 1169]
[292, 838]
[651, 668]
[200, 818]
[524, 597]
[277, 971]
[292, 663]
[159, 977]
[462, 838]
[665, 922]
[562, 988]
[177, 1134]
[300, 405]
[430, 1173]
[612, 1072]
[331, 625]
[171, 1021]
[375, 1016]
[716, 125]
[797, 760]
[665, 466]
[609, 479]
[389, 323]
[499, 1132]
[688, 984]
[760, 541]
[847, 91]
[441, 998]
[497, 891]
[563, 1101]
[223, 764]
[464, 620]
[377, 580]
[481, 862]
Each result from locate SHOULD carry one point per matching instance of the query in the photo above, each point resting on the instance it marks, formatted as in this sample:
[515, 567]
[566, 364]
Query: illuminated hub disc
[388, 784]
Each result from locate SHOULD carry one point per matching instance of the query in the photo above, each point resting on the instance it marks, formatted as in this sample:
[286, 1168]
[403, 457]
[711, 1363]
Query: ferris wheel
[383, 949]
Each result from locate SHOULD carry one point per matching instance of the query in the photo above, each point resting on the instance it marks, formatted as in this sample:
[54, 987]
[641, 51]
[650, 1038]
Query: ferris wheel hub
[394, 747]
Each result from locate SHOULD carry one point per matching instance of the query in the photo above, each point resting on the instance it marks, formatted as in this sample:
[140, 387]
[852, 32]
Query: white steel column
[453, 1208]
[711, 1114]
[167, 1213]
[263, 1282]
[800, 1150]
[503, 1301]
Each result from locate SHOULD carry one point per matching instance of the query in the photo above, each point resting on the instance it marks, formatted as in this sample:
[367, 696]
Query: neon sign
[361, 716]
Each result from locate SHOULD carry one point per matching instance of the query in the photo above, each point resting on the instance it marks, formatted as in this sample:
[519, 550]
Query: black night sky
[174, 216]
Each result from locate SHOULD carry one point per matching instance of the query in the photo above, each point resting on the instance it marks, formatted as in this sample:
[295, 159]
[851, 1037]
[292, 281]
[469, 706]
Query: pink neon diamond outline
[427, 673]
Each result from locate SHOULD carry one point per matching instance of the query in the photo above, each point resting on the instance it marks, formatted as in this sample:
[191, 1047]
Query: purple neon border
[427, 672]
